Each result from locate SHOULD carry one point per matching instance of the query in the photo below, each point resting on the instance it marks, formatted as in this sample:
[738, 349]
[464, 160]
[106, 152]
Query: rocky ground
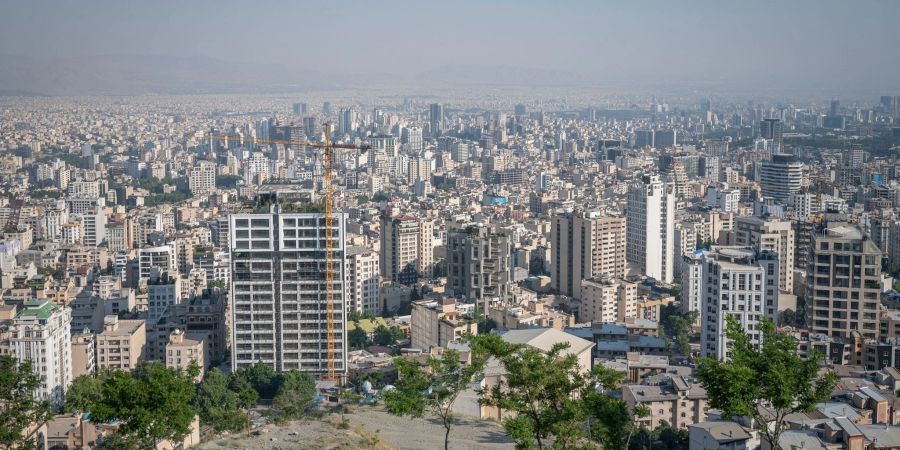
[367, 428]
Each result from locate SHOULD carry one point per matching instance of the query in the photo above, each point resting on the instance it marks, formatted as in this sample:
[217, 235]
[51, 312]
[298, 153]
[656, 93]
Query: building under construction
[280, 314]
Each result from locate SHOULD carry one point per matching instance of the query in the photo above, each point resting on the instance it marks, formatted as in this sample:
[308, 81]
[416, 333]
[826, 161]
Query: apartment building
[585, 245]
[121, 344]
[435, 323]
[40, 333]
[605, 299]
[280, 314]
[843, 282]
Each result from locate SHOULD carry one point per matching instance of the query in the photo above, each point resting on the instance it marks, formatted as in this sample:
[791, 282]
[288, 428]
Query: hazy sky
[826, 42]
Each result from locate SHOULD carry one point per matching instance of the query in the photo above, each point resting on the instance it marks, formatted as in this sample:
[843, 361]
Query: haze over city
[828, 47]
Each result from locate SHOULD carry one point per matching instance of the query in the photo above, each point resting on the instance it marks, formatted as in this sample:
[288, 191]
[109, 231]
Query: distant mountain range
[132, 75]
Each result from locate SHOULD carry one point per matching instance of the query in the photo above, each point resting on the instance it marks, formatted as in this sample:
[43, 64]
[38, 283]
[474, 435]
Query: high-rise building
[419, 169]
[665, 138]
[772, 235]
[412, 137]
[780, 177]
[740, 283]
[202, 178]
[299, 108]
[651, 228]
[585, 245]
[854, 157]
[478, 264]
[520, 110]
[346, 121]
[708, 168]
[460, 152]
[407, 248]
[326, 108]
[772, 130]
[436, 119]
[279, 311]
[843, 282]
[363, 281]
[644, 138]
[309, 126]
[93, 222]
[40, 333]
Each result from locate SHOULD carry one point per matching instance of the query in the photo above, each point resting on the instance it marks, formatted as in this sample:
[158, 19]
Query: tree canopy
[771, 376]
[153, 403]
[434, 388]
[19, 410]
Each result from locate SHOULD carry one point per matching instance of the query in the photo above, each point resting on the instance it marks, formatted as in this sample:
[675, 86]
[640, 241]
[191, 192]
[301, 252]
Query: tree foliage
[539, 390]
[218, 405]
[153, 403]
[357, 338]
[84, 392]
[387, 335]
[18, 407]
[295, 394]
[434, 388]
[771, 376]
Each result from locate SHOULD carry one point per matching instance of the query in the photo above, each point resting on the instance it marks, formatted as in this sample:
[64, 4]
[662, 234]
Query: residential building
[279, 314]
[407, 248]
[185, 349]
[585, 245]
[121, 344]
[435, 323]
[605, 299]
[843, 282]
[651, 228]
[478, 265]
[740, 283]
[675, 400]
[40, 333]
[772, 235]
[363, 281]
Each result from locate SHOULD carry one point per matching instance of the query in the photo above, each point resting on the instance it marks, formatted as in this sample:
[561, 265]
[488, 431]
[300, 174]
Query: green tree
[218, 405]
[387, 336]
[247, 396]
[609, 421]
[152, 402]
[18, 408]
[295, 395]
[362, 199]
[539, 390]
[771, 375]
[434, 388]
[262, 378]
[84, 392]
[357, 338]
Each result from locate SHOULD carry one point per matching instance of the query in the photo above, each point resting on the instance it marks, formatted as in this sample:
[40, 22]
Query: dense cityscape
[459, 265]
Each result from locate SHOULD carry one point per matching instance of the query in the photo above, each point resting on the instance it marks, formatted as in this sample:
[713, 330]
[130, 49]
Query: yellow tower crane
[327, 148]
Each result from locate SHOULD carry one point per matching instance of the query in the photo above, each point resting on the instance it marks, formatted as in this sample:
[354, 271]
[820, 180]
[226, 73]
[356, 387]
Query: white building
[202, 178]
[363, 281]
[741, 283]
[160, 258]
[650, 228]
[723, 197]
[40, 334]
